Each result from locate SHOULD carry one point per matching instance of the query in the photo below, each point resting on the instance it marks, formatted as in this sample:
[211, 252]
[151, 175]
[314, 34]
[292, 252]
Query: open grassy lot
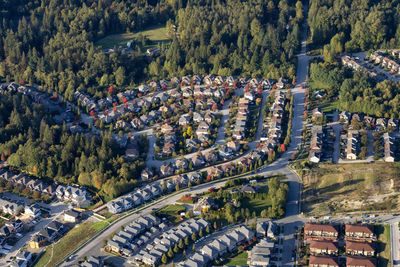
[69, 242]
[383, 244]
[333, 188]
[240, 259]
[171, 212]
[155, 34]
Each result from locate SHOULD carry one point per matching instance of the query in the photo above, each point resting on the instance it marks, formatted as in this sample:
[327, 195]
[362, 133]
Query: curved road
[291, 220]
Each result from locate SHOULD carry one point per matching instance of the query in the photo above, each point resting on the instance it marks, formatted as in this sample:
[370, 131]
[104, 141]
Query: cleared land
[69, 242]
[337, 188]
[154, 34]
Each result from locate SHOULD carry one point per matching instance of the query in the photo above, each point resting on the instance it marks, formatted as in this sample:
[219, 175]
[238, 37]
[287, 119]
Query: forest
[31, 142]
[51, 42]
[359, 24]
[355, 91]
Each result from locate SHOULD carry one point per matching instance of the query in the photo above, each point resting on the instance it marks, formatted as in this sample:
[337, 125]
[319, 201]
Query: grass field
[171, 212]
[383, 244]
[155, 34]
[69, 242]
[335, 188]
[240, 259]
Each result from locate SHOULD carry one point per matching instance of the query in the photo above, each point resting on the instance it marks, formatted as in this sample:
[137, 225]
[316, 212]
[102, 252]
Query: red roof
[360, 246]
[323, 260]
[360, 262]
[359, 229]
[323, 245]
[320, 227]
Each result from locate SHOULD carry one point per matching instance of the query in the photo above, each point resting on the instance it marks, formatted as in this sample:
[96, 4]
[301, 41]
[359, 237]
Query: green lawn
[155, 34]
[383, 244]
[69, 242]
[171, 212]
[240, 259]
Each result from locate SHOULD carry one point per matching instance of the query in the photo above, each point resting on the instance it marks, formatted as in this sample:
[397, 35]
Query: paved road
[291, 221]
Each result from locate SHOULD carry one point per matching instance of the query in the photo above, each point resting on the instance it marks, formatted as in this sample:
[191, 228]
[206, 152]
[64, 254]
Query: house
[147, 174]
[33, 211]
[359, 232]
[235, 146]
[167, 129]
[184, 120]
[248, 189]
[389, 155]
[225, 152]
[93, 261]
[344, 117]
[197, 117]
[181, 164]
[37, 241]
[229, 243]
[320, 231]
[248, 233]
[166, 170]
[115, 207]
[197, 160]
[260, 254]
[210, 252]
[219, 246]
[203, 205]
[316, 114]
[323, 261]
[71, 216]
[360, 262]
[114, 246]
[323, 248]
[281, 83]
[352, 146]
[360, 248]
[393, 123]
[210, 156]
[168, 149]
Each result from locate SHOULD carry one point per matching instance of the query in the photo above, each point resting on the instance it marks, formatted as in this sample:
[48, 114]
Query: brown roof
[320, 227]
[323, 245]
[360, 261]
[360, 246]
[324, 260]
[359, 229]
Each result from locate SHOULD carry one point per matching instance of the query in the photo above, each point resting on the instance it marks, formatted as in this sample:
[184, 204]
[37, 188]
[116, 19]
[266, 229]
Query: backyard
[156, 34]
[238, 260]
[336, 188]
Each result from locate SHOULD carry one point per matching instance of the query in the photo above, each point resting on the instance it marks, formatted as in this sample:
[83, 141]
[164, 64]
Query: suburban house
[71, 216]
[389, 155]
[323, 248]
[360, 262]
[360, 248]
[353, 145]
[320, 231]
[260, 254]
[359, 232]
[323, 261]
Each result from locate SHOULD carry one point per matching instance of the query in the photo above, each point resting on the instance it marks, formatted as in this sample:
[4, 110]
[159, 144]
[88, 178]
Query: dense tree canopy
[52, 42]
[33, 143]
[365, 24]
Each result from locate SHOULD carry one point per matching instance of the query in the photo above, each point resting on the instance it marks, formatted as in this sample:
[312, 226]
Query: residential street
[291, 220]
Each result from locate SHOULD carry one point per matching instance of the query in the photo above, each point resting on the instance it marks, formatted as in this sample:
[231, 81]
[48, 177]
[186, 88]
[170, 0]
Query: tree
[194, 237]
[186, 241]
[120, 76]
[176, 249]
[164, 259]
[180, 244]
[170, 253]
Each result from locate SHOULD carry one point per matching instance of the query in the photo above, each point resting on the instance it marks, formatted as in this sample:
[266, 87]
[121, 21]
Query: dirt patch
[335, 188]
